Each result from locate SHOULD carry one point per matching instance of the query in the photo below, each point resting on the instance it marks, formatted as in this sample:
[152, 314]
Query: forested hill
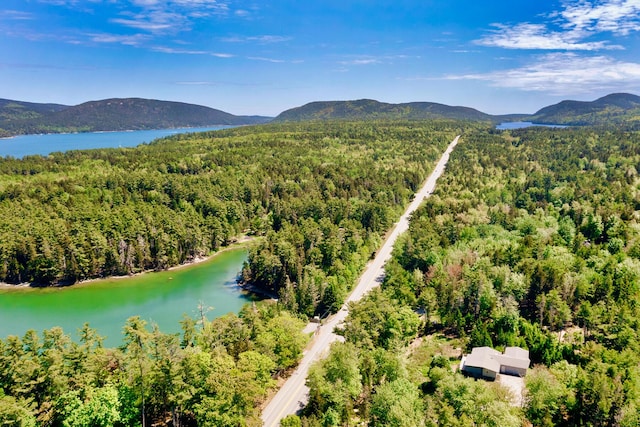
[18, 117]
[530, 239]
[321, 195]
[615, 108]
[368, 109]
[85, 214]
[111, 115]
[18, 110]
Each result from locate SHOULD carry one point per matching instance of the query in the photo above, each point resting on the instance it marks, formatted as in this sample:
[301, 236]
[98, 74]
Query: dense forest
[531, 239]
[85, 214]
[215, 373]
[319, 196]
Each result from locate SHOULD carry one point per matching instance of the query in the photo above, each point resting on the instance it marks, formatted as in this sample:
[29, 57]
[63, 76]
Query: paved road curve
[293, 395]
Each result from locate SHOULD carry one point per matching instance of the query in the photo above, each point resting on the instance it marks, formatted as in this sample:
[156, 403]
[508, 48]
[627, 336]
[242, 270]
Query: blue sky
[249, 57]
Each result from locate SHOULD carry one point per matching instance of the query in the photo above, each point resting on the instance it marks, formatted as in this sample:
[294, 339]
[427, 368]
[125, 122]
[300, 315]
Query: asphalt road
[294, 394]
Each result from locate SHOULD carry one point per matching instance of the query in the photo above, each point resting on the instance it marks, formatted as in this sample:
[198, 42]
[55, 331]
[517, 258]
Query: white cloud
[275, 60]
[12, 65]
[16, 15]
[565, 74]
[616, 16]
[168, 16]
[262, 58]
[147, 24]
[571, 28]
[60, 2]
[538, 36]
[363, 61]
[171, 50]
[129, 40]
[264, 39]
[373, 60]
[155, 18]
[145, 3]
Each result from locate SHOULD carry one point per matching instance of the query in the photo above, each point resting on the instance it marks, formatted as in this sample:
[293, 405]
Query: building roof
[513, 362]
[517, 352]
[483, 357]
[492, 360]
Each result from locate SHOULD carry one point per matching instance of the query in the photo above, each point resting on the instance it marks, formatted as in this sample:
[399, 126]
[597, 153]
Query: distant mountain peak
[614, 108]
[111, 114]
[370, 109]
[623, 100]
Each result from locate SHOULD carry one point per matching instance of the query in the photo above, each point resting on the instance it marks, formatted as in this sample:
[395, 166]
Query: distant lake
[520, 125]
[24, 145]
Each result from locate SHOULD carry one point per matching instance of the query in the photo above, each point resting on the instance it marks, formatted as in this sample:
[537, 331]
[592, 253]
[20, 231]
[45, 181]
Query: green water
[160, 298]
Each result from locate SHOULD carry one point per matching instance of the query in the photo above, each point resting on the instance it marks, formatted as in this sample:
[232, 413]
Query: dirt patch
[515, 385]
[572, 335]
[414, 345]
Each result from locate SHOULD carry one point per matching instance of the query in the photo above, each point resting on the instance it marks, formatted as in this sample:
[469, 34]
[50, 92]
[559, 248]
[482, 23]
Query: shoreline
[186, 128]
[252, 289]
[240, 242]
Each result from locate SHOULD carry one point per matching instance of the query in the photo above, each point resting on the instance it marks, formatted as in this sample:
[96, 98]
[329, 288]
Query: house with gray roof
[486, 362]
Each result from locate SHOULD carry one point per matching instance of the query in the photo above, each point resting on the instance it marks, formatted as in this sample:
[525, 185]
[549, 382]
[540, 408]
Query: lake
[520, 125]
[159, 297]
[24, 145]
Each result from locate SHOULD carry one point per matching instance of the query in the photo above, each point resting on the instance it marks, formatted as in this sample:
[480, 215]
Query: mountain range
[369, 109]
[616, 108]
[17, 117]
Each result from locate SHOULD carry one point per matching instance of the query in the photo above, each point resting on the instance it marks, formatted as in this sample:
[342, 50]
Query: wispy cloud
[154, 20]
[171, 50]
[59, 2]
[128, 40]
[616, 16]
[264, 39]
[361, 61]
[147, 24]
[168, 16]
[31, 66]
[264, 59]
[564, 74]
[372, 59]
[37, 36]
[16, 15]
[571, 28]
[538, 36]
